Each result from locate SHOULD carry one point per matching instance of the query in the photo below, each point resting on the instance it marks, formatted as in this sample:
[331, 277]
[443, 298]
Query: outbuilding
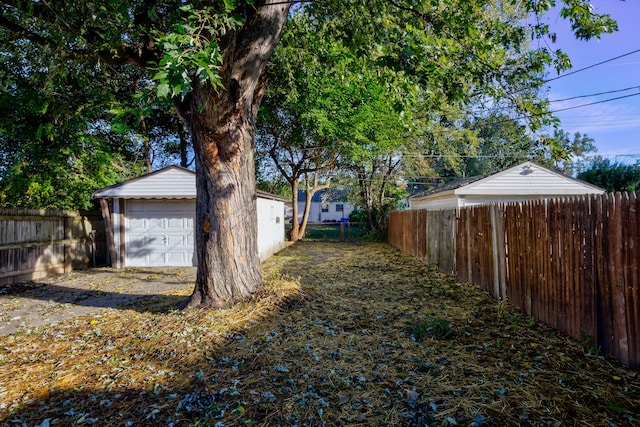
[150, 220]
[526, 181]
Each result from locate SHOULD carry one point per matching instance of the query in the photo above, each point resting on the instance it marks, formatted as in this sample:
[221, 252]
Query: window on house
[339, 207]
[325, 209]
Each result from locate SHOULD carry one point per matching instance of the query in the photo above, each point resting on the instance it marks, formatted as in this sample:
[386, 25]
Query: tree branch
[18, 29]
[141, 55]
[428, 17]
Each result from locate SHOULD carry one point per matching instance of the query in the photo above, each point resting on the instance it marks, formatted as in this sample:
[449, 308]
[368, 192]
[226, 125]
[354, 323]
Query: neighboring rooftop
[330, 195]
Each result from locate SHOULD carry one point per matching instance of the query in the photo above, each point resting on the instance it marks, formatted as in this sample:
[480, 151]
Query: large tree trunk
[295, 223]
[221, 124]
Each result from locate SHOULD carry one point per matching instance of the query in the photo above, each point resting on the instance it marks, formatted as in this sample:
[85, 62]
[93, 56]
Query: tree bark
[222, 124]
[298, 227]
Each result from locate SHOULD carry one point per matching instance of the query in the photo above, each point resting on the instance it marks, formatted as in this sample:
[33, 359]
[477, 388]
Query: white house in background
[152, 218]
[526, 181]
[326, 205]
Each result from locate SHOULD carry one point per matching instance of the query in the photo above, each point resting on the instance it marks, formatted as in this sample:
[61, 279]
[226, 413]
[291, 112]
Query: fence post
[498, 252]
[108, 228]
[67, 246]
[468, 233]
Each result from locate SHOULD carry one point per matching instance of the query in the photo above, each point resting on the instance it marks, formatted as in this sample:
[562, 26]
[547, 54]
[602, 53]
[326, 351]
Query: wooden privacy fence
[571, 263]
[37, 243]
[427, 235]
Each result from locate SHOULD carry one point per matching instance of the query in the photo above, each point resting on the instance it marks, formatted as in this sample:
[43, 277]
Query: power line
[594, 94]
[602, 116]
[504, 156]
[592, 66]
[593, 103]
[528, 116]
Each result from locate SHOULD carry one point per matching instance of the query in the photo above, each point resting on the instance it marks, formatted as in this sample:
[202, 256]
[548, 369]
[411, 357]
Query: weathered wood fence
[427, 235]
[573, 264]
[37, 243]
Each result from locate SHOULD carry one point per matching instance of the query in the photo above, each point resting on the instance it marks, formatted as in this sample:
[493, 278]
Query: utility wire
[594, 94]
[591, 66]
[594, 103]
[528, 116]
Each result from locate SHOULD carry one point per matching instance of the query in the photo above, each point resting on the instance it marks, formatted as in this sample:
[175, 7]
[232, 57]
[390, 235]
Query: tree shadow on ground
[36, 303]
[98, 298]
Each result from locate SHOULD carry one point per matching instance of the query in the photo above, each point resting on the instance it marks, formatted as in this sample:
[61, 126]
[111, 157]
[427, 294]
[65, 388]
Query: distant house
[526, 181]
[326, 205]
[152, 219]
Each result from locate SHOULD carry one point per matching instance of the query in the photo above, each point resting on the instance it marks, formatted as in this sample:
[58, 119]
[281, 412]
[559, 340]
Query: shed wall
[270, 227]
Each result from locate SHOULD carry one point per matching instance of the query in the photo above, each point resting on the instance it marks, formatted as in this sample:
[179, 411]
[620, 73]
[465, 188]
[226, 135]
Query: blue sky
[614, 125]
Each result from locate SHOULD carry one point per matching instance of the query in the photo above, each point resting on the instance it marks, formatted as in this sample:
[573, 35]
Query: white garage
[150, 220]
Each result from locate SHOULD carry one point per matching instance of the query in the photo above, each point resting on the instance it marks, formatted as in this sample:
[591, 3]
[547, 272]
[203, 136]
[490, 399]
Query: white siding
[117, 226]
[160, 212]
[474, 201]
[270, 227]
[316, 214]
[168, 183]
[160, 232]
[314, 211]
[528, 179]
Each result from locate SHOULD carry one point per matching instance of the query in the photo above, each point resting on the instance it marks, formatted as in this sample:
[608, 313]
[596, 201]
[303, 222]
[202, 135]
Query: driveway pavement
[46, 301]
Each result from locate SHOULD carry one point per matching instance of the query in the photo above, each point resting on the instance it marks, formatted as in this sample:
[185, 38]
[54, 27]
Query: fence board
[462, 260]
[632, 262]
[589, 314]
[542, 255]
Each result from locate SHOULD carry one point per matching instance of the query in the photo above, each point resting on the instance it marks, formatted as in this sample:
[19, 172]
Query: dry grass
[362, 335]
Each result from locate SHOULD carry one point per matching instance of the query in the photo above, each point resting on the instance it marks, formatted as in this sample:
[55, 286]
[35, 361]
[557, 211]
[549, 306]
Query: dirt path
[51, 300]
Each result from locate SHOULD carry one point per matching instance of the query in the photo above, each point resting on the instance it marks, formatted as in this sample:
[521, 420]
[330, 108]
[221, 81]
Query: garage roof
[172, 182]
[525, 179]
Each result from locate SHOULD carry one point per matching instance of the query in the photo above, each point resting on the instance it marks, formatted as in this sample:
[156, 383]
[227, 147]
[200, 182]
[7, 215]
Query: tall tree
[612, 176]
[503, 141]
[300, 126]
[306, 162]
[56, 143]
[558, 149]
[209, 56]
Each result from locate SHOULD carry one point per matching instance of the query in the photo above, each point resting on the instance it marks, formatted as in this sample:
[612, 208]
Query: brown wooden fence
[572, 263]
[427, 235]
[37, 243]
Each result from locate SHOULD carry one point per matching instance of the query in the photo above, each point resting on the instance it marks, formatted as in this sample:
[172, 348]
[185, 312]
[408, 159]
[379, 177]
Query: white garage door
[160, 233]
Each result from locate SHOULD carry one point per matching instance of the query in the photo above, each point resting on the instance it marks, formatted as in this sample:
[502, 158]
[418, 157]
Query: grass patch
[432, 328]
[328, 231]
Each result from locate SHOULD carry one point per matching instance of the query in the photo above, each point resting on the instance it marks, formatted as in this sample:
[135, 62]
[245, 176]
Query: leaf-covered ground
[342, 334]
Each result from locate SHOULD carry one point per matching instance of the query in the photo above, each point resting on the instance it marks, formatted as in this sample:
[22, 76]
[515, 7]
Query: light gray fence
[38, 243]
